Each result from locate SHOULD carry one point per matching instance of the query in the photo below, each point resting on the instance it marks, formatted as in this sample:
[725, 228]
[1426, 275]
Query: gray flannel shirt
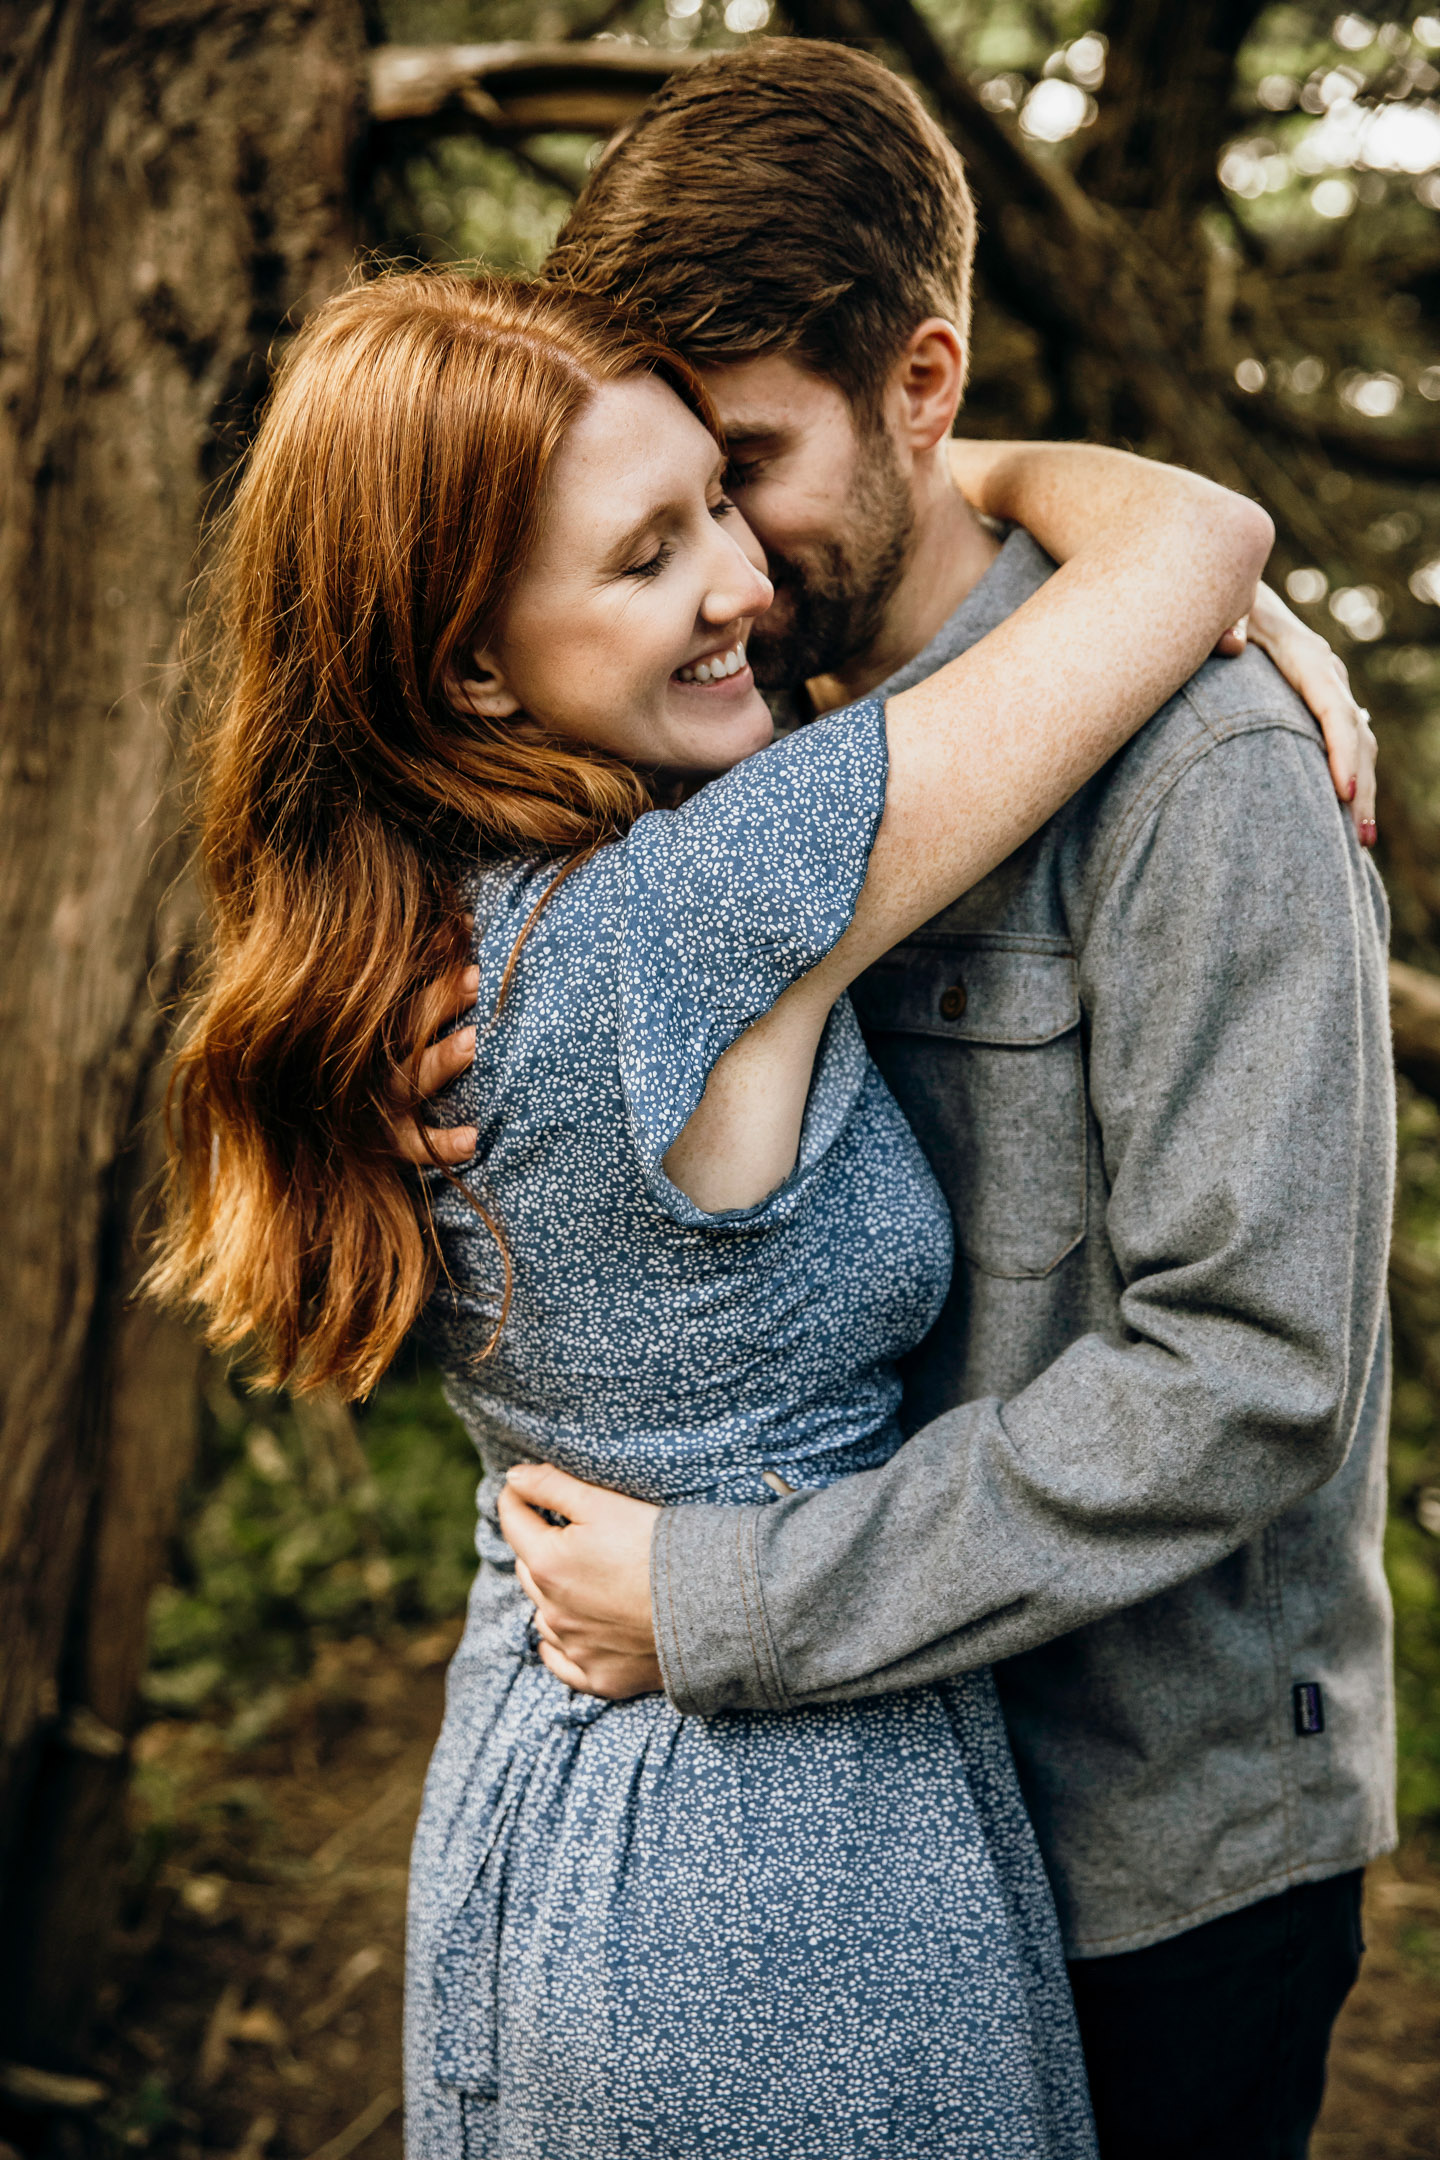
[1149, 1061]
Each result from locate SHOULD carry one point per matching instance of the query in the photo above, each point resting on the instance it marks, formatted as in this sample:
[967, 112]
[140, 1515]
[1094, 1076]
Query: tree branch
[519, 89]
[1166, 108]
[1390, 457]
[1415, 1017]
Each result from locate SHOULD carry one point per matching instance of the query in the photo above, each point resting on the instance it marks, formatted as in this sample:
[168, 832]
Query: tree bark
[174, 182]
[1166, 108]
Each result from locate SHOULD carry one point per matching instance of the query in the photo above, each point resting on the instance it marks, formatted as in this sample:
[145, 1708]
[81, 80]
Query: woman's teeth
[715, 668]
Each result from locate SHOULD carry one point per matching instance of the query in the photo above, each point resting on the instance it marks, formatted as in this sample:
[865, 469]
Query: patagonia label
[1309, 1707]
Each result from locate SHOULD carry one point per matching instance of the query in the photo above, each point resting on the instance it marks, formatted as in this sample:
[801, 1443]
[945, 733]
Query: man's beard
[832, 606]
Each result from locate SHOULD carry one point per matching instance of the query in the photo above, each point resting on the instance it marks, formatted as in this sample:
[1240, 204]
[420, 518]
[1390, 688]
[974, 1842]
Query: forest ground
[256, 2007]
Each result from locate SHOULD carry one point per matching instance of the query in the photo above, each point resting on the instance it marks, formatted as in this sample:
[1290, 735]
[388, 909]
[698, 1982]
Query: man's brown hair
[791, 196]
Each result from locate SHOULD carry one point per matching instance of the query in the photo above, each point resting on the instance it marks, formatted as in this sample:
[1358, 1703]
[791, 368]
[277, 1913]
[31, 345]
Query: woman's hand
[1319, 675]
[433, 1067]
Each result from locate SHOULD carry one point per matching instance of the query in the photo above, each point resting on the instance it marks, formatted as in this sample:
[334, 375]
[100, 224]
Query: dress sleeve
[729, 900]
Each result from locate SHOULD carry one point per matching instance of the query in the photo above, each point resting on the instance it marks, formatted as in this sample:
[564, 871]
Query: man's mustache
[790, 589]
[784, 575]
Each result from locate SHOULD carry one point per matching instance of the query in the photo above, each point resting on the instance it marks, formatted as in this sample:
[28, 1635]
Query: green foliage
[141, 2117]
[462, 200]
[1413, 1542]
[1018, 34]
[302, 1526]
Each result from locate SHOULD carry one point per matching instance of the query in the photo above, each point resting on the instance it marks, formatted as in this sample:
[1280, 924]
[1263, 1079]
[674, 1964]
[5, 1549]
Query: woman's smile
[719, 670]
[629, 626]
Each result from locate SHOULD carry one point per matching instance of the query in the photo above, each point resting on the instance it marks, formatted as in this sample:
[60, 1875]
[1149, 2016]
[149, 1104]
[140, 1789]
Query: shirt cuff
[713, 1640]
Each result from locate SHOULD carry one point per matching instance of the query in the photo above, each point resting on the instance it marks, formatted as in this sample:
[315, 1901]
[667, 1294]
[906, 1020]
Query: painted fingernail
[1368, 834]
[1354, 784]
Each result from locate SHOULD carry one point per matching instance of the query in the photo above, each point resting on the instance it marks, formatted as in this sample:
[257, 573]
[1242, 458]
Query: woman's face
[628, 627]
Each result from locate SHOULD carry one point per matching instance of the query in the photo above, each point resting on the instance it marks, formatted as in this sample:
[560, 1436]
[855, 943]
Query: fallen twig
[351, 1975]
[49, 2089]
[399, 1794]
[368, 2120]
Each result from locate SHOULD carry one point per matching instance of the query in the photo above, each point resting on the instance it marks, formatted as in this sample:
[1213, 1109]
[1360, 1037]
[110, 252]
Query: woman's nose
[737, 588]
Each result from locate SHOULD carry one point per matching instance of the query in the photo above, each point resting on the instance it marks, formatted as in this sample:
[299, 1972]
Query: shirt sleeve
[1239, 1071]
[729, 900]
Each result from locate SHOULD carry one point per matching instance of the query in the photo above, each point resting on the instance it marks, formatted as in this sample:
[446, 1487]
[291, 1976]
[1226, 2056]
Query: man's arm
[1239, 1070]
[1305, 660]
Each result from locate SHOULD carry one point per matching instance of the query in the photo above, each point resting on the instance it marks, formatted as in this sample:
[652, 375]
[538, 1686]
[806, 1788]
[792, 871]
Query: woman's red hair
[389, 502]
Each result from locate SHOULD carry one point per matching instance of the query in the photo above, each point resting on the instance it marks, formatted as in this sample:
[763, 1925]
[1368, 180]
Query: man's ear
[475, 683]
[929, 381]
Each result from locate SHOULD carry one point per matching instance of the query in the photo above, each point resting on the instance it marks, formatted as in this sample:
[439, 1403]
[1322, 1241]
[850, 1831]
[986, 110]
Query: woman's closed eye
[663, 555]
[665, 552]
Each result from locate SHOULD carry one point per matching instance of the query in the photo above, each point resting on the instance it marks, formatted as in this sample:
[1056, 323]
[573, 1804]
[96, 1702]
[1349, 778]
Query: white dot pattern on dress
[825, 1935]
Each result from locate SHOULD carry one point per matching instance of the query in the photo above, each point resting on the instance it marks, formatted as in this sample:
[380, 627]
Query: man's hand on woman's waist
[588, 1578]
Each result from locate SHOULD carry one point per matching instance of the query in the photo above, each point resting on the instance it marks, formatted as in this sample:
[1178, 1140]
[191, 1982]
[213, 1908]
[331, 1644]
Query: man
[1148, 1060]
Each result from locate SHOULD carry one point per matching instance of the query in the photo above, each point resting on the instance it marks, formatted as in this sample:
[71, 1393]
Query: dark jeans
[1212, 2046]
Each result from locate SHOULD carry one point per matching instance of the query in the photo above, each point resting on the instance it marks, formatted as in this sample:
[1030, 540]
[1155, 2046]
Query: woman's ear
[474, 683]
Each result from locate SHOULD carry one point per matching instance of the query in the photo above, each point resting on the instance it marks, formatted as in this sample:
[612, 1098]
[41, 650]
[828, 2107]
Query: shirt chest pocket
[980, 1044]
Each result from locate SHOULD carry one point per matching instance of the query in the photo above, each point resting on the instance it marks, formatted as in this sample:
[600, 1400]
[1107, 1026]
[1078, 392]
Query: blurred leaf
[303, 1529]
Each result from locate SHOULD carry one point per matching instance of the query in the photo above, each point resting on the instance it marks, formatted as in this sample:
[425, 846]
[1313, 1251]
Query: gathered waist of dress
[678, 1471]
[675, 1453]
[499, 1609]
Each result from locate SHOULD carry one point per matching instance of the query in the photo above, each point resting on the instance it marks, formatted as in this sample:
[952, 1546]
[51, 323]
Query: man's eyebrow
[751, 432]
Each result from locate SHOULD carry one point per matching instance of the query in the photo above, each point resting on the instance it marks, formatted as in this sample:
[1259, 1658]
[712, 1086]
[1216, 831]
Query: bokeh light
[1055, 109]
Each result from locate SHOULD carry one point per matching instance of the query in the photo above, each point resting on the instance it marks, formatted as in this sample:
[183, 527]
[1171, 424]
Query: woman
[487, 602]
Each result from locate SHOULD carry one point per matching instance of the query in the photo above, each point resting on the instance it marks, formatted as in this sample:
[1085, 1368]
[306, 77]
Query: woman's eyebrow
[655, 518]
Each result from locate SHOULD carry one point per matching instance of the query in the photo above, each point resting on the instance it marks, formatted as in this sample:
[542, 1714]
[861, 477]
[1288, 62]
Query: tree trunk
[1169, 75]
[174, 182]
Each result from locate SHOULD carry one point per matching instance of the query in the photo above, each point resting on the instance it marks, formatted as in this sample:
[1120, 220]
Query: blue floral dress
[824, 1935]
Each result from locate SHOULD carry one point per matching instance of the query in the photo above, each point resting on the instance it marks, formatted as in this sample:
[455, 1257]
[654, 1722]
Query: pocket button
[952, 1002]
